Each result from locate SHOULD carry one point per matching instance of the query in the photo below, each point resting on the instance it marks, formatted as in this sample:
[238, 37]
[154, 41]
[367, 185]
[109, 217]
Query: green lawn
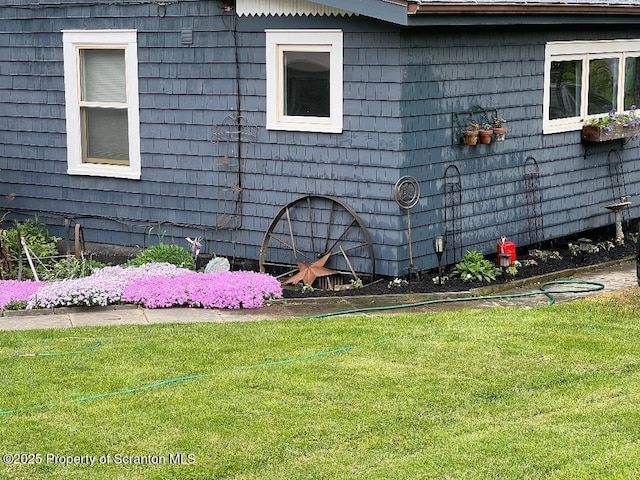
[552, 392]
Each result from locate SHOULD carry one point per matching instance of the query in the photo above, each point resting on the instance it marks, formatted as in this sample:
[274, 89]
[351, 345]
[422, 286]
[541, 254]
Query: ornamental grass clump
[231, 290]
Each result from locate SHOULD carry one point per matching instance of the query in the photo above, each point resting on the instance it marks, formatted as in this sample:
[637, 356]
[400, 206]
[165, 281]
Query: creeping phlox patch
[17, 291]
[205, 290]
[153, 285]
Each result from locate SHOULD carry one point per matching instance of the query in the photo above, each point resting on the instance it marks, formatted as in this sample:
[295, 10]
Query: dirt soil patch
[555, 258]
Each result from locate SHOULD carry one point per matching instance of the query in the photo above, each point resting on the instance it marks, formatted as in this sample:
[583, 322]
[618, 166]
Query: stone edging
[65, 310]
[408, 297]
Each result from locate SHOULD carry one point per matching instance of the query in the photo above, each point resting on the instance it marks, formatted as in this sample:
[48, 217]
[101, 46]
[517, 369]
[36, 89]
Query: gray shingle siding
[179, 104]
[502, 70]
[401, 87]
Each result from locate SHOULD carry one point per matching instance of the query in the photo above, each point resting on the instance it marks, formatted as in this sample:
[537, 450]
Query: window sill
[104, 171]
[305, 127]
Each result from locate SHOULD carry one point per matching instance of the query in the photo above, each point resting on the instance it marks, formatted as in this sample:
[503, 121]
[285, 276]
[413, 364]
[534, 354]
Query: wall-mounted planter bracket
[460, 120]
[592, 135]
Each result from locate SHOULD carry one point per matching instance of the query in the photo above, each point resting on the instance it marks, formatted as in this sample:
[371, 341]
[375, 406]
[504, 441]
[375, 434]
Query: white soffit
[285, 7]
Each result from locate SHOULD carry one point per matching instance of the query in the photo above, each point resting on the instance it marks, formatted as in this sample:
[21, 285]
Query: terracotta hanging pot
[485, 136]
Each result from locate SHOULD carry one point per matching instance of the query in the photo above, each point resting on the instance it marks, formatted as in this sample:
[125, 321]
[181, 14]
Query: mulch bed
[564, 260]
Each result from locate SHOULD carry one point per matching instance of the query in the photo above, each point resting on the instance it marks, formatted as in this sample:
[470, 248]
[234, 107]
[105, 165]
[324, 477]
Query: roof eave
[479, 12]
[442, 8]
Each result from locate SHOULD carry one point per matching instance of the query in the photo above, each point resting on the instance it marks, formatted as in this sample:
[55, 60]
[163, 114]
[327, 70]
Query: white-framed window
[304, 80]
[587, 79]
[101, 93]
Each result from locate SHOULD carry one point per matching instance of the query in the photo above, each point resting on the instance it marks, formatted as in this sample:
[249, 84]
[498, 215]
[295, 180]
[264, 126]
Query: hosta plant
[474, 267]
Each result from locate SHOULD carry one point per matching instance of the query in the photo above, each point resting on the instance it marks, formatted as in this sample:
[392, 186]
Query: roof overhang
[493, 12]
[530, 12]
[435, 7]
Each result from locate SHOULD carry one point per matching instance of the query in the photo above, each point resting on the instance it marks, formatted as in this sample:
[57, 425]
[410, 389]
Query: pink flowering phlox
[17, 291]
[233, 290]
[103, 287]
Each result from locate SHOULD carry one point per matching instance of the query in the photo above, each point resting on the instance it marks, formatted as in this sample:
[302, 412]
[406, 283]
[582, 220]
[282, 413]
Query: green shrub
[40, 243]
[71, 267]
[475, 267]
[173, 254]
[16, 305]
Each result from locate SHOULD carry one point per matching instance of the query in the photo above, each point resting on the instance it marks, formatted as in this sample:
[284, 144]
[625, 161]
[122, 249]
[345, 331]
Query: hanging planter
[499, 133]
[499, 130]
[477, 125]
[470, 133]
[485, 134]
[470, 137]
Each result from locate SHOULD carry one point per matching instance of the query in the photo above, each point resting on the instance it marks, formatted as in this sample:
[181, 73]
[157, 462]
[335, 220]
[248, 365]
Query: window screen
[103, 106]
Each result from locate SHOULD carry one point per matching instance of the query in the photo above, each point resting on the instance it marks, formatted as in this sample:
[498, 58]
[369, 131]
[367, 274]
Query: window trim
[584, 51]
[277, 41]
[73, 41]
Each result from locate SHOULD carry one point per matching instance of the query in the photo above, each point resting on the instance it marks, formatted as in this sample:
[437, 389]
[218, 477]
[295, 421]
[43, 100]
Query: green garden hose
[542, 290]
[93, 346]
[185, 378]
[591, 287]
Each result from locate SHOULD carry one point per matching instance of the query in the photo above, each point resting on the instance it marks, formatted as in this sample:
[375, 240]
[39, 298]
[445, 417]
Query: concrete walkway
[615, 277]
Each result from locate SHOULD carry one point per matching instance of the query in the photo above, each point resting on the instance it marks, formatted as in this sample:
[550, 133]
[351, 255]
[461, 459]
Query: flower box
[604, 134]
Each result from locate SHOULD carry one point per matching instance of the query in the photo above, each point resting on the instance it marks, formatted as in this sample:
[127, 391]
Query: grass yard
[552, 392]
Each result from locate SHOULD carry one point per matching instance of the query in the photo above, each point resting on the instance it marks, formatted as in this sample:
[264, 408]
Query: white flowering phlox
[103, 287]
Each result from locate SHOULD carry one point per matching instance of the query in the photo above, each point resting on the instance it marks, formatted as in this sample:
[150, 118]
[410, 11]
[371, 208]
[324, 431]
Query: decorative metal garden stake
[196, 246]
[407, 194]
[439, 245]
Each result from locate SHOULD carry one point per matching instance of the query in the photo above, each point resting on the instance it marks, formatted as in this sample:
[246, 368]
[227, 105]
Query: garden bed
[230, 289]
[547, 260]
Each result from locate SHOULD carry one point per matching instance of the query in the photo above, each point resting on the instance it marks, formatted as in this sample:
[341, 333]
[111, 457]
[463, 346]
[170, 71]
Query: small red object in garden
[508, 248]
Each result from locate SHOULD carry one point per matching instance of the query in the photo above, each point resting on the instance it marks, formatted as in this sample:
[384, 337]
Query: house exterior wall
[185, 90]
[360, 165]
[502, 69]
[188, 96]
[401, 87]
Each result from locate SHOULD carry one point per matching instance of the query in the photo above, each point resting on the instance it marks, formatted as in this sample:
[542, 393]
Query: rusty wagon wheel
[318, 231]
